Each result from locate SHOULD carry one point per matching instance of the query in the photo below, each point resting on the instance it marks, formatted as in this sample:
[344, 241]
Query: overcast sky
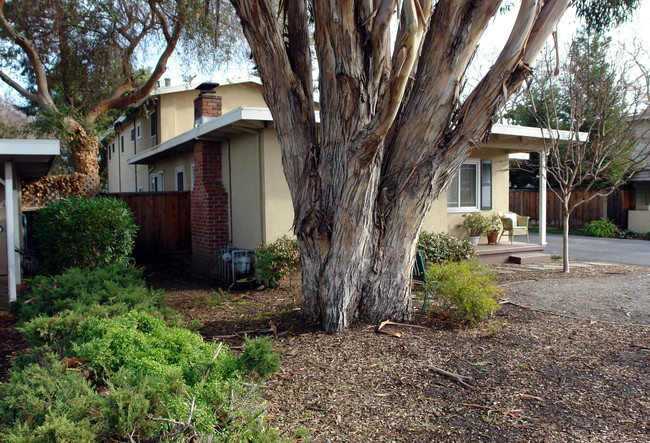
[493, 40]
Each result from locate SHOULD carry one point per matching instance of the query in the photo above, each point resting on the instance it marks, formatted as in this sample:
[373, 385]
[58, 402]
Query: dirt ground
[524, 375]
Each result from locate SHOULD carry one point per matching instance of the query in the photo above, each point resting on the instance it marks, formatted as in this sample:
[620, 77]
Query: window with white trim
[138, 130]
[471, 188]
[122, 144]
[157, 181]
[192, 177]
[132, 135]
[153, 124]
[179, 173]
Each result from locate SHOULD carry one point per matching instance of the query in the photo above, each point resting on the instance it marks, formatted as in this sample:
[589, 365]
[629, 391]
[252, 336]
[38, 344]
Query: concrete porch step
[529, 257]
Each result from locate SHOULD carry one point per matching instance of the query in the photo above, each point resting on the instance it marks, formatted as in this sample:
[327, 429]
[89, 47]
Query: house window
[108, 150]
[157, 181]
[192, 177]
[153, 122]
[132, 135]
[122, 144]
[113, 147]
[179, 172]
[138, 131]
[471, 188]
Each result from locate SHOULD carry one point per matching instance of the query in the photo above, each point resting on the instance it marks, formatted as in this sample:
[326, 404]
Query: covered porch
[519, 253]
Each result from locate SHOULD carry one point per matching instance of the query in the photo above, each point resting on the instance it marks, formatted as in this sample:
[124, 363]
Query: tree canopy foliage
[79, 63]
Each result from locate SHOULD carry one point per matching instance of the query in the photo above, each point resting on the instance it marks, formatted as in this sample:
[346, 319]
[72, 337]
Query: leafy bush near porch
[83, 232]
[603, 228]
[465, 290]
[440, 247]
[115, 370]
[277, 259]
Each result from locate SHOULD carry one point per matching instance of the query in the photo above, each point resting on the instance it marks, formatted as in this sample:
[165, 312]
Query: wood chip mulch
[522, 375]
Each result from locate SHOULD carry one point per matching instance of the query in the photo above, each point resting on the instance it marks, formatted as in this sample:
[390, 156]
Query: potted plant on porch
[476, 225]
[494, 229]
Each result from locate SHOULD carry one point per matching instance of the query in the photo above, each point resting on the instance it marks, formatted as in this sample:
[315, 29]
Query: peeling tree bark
[393, 132]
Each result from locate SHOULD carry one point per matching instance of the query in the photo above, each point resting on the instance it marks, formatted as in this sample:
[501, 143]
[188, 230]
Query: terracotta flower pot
[492, 237]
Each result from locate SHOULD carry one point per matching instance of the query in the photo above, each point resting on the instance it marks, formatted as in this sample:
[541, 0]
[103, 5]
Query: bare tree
[393, 129]
[595, 99]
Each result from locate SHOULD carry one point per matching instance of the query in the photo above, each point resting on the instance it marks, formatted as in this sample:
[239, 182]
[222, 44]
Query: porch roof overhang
[641, 176]
[526, 138]
[238, 121]
[31, 158]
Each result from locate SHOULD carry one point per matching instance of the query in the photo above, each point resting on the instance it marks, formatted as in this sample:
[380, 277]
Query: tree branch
[43, 96]
[22, 91]
[118, 100]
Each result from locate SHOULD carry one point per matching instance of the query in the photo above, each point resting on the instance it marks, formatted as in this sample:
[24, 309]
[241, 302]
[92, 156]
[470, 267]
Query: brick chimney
[207, 105]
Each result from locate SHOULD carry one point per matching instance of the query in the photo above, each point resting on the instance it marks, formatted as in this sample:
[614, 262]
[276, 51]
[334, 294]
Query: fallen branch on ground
[461, 379]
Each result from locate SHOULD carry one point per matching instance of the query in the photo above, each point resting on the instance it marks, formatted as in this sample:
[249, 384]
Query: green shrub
[259, 357]
[476, 224]
[113, 285]
[603, 228]
[437, 248]
[45, 402]
[466, 290]
[276, 260]
[138, 369]
[83, 232]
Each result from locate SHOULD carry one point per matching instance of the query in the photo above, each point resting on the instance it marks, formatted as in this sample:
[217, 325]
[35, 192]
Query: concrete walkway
[608, 250]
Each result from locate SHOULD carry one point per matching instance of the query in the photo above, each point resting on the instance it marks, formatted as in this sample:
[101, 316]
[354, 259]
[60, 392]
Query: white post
[542, 197]
[11, 245]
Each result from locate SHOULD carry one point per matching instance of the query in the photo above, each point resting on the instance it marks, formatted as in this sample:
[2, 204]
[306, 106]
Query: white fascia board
[236, 115]
[539, 133]
[28, 147]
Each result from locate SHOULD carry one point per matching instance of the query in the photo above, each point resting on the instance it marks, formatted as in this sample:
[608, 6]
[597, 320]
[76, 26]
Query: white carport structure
[21, 159]
[539, 140]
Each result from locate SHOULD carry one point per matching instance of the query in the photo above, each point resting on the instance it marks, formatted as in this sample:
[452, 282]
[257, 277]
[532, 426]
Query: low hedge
[109, 363]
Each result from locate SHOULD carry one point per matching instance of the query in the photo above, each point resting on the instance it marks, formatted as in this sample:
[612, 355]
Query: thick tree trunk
[84, 147]
[393, 131]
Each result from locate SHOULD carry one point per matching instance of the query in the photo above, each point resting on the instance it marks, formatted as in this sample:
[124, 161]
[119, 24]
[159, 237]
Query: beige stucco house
[219, 142]
[638, 219]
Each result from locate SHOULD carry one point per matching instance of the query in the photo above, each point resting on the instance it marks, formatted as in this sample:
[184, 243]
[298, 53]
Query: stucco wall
[242, 181]
[638, 221]
[278, 209]
[439, 219]
[177, 110]
[168, 166]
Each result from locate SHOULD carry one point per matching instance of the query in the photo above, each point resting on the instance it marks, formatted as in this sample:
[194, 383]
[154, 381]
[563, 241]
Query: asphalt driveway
[608, 250]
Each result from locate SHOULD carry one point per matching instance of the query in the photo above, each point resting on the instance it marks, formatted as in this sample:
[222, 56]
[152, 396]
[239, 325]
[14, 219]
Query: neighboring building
[227, 153]
[639, 219]
[22, 160]
[167, 112]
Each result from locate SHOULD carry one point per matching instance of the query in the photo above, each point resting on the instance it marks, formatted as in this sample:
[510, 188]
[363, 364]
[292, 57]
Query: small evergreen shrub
[111, 285]
[83, 232]
[110, 364]
[603, 228]
[465, 290]
[276, 260]
[440, 247]
[258, 357]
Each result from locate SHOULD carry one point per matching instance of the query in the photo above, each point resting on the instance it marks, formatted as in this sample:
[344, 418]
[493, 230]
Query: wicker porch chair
[514, 224]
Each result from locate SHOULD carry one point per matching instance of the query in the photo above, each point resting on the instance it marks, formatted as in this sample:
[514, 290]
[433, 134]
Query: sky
[492, 41]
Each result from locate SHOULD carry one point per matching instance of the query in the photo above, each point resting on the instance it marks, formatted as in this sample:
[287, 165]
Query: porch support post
[11, 228]
[542, 197]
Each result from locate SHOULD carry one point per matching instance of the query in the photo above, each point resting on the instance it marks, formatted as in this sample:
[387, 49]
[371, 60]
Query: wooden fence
[163, 220]
[614, 207]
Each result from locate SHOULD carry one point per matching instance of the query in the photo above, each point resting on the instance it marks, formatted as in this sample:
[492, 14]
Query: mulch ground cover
[523, 375]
